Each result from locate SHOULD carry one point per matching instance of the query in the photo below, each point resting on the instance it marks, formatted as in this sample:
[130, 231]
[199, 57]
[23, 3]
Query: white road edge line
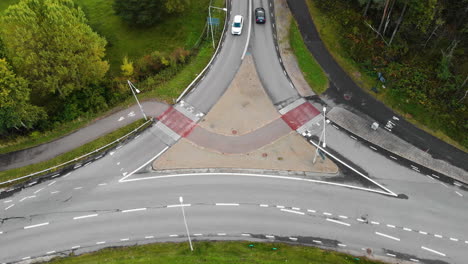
[227, 204]
[248, 32]
[433, 251]
[387, 236]
[337, 222]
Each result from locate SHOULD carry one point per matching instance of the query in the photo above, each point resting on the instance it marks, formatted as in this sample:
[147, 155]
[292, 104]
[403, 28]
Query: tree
[147, 12]
[49, 43]
[15, 109]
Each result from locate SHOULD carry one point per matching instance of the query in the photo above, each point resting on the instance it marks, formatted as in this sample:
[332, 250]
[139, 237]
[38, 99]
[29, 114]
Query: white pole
[138, 102]
[324, 125]
[211, 26]
[181, 200]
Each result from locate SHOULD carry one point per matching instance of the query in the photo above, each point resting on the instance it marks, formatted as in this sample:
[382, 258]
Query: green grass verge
[310, 68]
[91, 146]
[418, 116]
[216, 253]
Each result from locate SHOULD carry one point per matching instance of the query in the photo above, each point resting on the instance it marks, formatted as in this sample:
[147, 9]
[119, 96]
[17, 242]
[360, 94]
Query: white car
[237, 25]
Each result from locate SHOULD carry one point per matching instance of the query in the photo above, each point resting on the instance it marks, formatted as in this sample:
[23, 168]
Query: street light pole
[324, 127]
[324, 144]
[138, 102]
[181, 200]
[211, 25]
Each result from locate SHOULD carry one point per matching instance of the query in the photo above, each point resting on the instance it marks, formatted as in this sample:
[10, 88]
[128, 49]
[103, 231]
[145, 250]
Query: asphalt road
[103, 204]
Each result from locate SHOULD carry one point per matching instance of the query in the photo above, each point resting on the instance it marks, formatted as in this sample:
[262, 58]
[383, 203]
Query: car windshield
[237, 24]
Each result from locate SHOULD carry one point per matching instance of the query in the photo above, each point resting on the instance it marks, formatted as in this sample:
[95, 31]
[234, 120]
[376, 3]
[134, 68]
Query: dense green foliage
[216, 253]
[49, 43]
[16, 110]
[147, 12]
[419, 46]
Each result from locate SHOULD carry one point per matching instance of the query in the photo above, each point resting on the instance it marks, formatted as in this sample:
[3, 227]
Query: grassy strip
[89, 147]
[422, 119]
[216, 253]
[311, 70]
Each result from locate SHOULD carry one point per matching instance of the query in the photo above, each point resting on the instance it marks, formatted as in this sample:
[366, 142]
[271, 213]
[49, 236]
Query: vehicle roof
[237, 18]
[259, 9]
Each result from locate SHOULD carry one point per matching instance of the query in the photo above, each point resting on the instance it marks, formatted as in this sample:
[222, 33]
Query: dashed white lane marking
[247, 235]
[387, 236]
[341, 245]
[149, 237]
[26, 258]
[438, 236]
[317, 241]
[10, 206]
[124, 239]
[66, 175]
[393, 157]
[391, 226]
[264, 205]
[337, 222]
[293, 212]
[391, 255]
[38, 225]
[459, 194]
[433, 251]
[407, 229]
[178, 205]
[1, 232]
[360, 219]
[75, 247]
[50, 184]
[296, 208]
[343, 216]
[38, 190]
[293, 238]
[353, 137]
[27, 197]
[311, 211]
[270, 236]
[84, 216]
[173, 235]
[78, 188]
[198, 234]
[326, 213]
[50, 252]
[454, 239]
[9, 201]
[100, 242]
[422, 233]
[445, 185]
[54, 192]
[375, 223]
[221, 234]
[102, 184]
[372, 147]
[280, 206]
[414, 260]
[227, 204]
[133, 210]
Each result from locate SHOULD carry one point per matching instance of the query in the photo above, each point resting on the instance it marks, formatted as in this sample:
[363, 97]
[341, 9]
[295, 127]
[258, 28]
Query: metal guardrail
[203, 72]
[77, 158]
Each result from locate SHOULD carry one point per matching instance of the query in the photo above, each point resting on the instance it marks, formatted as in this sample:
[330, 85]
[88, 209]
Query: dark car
[260, 17]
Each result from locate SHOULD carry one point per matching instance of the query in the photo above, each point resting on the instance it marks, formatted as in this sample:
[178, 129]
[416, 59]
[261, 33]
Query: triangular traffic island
[245, 131]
